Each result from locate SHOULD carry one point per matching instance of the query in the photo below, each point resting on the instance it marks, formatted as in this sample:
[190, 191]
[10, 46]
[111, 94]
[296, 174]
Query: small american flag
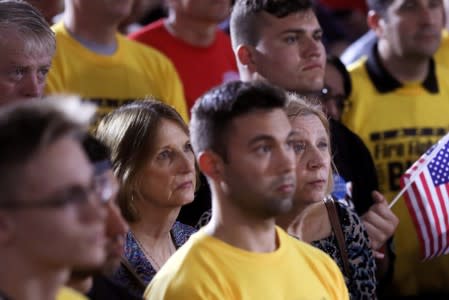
[426, 186]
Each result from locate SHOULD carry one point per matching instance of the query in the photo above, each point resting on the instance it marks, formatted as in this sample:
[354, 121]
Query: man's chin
[108, 269]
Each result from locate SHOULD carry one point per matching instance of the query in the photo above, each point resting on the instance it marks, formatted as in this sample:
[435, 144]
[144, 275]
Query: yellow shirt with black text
[398, 125]
[133, 72]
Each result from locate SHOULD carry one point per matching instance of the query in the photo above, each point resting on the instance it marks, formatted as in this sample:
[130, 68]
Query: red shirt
[200, 68]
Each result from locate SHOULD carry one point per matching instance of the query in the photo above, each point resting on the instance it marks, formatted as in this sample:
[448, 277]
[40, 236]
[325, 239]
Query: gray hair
[24, 20]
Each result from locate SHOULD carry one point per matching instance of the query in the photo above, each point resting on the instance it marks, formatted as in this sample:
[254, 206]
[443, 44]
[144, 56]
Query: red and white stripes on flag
[426, 186]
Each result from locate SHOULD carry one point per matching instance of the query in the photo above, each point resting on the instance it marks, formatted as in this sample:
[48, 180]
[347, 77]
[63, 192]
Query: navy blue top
[180, 233]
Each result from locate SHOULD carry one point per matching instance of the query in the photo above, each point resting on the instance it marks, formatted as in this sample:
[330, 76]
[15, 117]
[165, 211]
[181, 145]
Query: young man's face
[22, 72]
[259, 176]
[413, 28]
[65, 225]
[290, 53]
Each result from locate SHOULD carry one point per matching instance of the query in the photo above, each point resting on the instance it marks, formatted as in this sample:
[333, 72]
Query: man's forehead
[273, 122]
[397, 3]
[297, 20]
[58, 165]
[24, 58]
[17, 47]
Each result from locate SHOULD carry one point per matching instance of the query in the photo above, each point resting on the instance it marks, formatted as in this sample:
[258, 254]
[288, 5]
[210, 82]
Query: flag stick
[441, 143]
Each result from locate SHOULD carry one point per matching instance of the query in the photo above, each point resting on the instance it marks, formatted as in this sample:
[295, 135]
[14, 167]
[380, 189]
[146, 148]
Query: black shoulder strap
[336, 227]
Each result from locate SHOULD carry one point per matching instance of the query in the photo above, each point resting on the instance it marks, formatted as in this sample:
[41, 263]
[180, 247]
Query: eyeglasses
[102, 188]
[105, 187]
[327, 95]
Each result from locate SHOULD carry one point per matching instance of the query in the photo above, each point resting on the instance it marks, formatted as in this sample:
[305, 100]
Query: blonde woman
[344, 237]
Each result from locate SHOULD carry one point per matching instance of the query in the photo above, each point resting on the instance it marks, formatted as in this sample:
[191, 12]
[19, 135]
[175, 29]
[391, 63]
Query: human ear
[246, 57]
[376, 23]
[211, 165]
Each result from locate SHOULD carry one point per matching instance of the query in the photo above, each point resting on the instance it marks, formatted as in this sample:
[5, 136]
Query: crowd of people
[223, 151]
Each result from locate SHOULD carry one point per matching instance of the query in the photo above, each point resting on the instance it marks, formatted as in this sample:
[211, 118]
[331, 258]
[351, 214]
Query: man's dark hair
[379, 6]
[95, 150]
[246, 22]
[98, 153]
[215, 110]
[27, 127]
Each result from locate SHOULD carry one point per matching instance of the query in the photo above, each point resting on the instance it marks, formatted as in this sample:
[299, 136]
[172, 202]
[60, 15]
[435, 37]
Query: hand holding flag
[426, 188]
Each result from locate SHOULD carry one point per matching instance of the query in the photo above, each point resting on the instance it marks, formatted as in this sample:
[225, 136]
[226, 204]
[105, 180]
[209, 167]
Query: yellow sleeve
[187, 291]
[174, 92]
[54, 83]
[184, 285]
[335, 283]
[66, 293]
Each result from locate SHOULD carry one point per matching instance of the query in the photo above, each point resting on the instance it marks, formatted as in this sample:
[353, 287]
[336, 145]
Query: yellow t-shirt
[442, 55]
[208, 268]
[398, 126]
[132, 72]
[66, 293]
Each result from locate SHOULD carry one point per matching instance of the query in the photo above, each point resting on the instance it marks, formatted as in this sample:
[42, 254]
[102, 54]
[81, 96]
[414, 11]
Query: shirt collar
[385, 82]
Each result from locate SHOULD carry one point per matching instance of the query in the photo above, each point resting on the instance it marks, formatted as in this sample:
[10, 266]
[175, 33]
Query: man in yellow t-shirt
[442, 55]
[243, 142]
[93, 60]
[399, 106]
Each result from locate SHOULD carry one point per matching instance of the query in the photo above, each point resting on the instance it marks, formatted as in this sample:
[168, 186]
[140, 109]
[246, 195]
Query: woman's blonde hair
[297, 107]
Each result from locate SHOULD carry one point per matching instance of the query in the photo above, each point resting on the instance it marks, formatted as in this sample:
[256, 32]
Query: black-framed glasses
[327, 95]
[105, 187]
[101, 187]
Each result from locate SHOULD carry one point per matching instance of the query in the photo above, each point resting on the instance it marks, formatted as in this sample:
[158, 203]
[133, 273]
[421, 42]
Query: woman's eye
[323, 145]
[163, 155]
[188, 147]
[298, 147]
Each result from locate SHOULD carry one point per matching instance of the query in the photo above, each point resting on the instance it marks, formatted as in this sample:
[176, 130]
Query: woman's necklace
[157, 265]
